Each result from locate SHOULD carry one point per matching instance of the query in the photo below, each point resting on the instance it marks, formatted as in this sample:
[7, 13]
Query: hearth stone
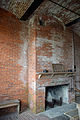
[62, 117]
[58, 112]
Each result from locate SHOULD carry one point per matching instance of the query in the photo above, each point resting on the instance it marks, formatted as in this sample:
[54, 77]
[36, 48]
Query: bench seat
[10, 103]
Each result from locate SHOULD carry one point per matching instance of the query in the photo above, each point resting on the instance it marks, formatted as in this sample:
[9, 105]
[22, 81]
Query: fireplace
[54, 88]
[56, 96]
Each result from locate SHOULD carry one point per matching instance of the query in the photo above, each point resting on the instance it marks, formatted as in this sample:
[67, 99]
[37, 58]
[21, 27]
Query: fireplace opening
[56, 96]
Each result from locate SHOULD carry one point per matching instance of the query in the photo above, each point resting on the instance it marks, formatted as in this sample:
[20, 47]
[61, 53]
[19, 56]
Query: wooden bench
[10, 103]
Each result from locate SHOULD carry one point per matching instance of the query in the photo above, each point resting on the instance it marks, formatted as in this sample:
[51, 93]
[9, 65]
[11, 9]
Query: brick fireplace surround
[27, 48]
[51, 43]
[57, 80]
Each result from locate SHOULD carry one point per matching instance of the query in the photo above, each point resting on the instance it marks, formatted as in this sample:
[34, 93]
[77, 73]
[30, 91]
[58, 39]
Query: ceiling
[76, 28]
[17, 7]
[65, 11]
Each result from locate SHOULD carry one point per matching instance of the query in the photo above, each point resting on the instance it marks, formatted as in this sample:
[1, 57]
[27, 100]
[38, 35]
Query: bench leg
[18, 108]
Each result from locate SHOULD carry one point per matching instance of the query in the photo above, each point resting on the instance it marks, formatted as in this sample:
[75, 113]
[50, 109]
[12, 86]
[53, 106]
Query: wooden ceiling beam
[73, 22]
[31, 9]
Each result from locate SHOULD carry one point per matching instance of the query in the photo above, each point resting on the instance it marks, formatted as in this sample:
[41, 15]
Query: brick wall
[29, 48]
[49, 43]
[77, 59]
[53, 45]
[13, 58]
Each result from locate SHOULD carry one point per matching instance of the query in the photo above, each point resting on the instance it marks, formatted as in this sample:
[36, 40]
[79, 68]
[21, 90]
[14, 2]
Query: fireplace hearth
[56, 96]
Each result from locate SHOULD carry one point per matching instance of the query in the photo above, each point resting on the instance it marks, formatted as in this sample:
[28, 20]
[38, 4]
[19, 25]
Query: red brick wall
[13, 58]
[53, 45]
[48, 43]
[77, 59]
[21, 54]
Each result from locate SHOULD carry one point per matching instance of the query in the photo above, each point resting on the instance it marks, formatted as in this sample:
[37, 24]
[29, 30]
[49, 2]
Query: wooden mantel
[55, 73]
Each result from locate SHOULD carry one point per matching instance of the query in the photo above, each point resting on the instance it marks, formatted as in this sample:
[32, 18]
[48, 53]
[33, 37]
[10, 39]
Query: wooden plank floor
[27, 115]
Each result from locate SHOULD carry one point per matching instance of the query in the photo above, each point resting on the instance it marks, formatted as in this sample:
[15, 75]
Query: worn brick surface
[48, 43]
[27, 49]
[77, 59]
[13, 58]
[53, 45]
